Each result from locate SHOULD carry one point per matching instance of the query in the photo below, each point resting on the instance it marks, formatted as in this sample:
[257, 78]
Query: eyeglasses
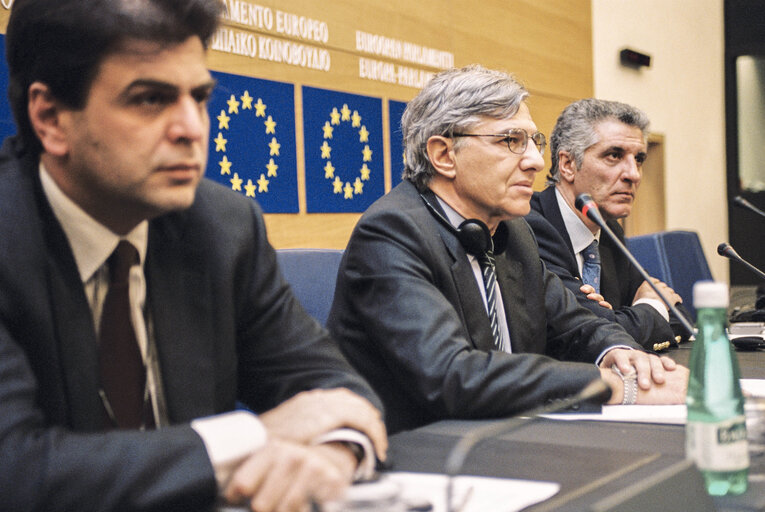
[517, 139]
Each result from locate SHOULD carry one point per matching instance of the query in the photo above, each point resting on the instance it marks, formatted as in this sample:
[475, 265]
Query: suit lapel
[73, 324]
[178, 292]
[470, 303]
[510, 278]
[551, 211]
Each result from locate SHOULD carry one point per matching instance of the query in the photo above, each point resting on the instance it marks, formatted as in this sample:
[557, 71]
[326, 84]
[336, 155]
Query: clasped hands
[660, 380]
[289, 473]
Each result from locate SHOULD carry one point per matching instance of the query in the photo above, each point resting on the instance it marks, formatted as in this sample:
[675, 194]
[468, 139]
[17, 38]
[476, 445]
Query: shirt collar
[579, 234]
[455, 218]
[91, 241]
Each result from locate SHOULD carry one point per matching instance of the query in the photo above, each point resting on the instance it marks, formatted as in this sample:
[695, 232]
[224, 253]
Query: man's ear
[566, 167]
[45, 116]
[441, 154]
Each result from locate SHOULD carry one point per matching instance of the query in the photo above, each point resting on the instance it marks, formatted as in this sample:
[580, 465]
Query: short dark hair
[62, 43]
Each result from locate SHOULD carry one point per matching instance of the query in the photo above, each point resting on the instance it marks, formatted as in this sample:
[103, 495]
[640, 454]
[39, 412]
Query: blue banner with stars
[252, 140]
[343, 151]
[395, 111]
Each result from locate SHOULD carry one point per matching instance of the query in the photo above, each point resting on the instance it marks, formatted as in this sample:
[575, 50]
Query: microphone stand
[743, 203]
[587, 206]
[725, 249]
[597, 389]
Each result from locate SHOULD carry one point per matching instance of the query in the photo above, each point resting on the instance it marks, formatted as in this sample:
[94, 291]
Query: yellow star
[327, 130]
[236, 182]
[346, 112]
[355, 119]
[337, 185]
[271, 166]
[358, 187]
[260, 108]
[365, 172]
[326, 150]
[250, 188]
[262, 184]
[220, 143]
[233, 105]
[348, 189]
[274, 146]
[367, 154]
[335, 116]
[329, 171]
[223, 120]
[270, 125]
[363, 134]
[225, 166]
[246, 100]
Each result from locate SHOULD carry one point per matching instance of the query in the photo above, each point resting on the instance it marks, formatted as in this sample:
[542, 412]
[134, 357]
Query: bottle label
[718, 446]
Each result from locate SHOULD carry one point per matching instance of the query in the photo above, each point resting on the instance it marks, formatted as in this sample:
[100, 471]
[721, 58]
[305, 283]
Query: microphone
[587, 206]
[597, 390]
[725, 249]
[743, 203]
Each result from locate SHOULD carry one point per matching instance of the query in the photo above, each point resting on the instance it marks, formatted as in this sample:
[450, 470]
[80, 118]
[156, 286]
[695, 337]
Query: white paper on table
[495, 494]
[663, 414]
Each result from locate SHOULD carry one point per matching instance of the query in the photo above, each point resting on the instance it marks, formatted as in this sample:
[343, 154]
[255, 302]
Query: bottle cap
[710, 294]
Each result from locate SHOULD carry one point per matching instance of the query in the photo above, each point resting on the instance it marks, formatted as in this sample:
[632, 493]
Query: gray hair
[574, 131]
[454, 100]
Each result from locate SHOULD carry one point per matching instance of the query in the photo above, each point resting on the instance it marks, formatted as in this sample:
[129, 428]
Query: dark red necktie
[123, 376]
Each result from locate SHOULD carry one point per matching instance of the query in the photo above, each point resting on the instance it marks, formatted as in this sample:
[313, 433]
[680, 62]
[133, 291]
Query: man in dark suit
[119, 374]
[438, 328]
[598, 147]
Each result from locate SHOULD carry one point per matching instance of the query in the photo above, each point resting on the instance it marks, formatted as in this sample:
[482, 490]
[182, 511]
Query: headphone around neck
[473, 234]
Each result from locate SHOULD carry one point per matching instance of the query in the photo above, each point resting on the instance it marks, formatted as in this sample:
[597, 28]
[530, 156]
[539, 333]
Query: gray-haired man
[442, 301]
[598, 147]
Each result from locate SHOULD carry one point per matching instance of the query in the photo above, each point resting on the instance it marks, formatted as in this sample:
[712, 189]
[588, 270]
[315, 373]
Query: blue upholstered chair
[675, 257]
[312, 274]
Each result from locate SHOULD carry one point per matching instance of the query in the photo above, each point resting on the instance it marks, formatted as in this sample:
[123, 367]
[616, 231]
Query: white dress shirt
[581, 236]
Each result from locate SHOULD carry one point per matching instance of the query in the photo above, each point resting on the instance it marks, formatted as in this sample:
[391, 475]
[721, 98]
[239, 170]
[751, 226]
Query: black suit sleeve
[395, 314]
[642, 321]
[282, 349]
[47, 467]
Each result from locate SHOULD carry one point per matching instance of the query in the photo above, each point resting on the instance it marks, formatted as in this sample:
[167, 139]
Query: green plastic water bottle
[715, 435]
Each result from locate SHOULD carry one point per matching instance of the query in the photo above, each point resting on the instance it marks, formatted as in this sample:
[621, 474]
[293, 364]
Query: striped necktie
[486, 262]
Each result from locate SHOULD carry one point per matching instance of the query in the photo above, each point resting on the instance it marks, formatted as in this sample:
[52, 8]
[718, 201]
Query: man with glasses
[598, 147]
[442, 302]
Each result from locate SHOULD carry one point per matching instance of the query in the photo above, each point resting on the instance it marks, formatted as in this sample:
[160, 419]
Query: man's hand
[591, 294]
[284, 476]
[660, 380]
[309, 414]
[645, 291]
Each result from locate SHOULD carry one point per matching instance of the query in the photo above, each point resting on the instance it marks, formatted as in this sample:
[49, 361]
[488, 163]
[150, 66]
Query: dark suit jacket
[226, 326]
[409, 315]
[619, 279]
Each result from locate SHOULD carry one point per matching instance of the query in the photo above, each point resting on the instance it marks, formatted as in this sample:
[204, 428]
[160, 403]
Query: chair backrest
[312, 273]
[675, 257]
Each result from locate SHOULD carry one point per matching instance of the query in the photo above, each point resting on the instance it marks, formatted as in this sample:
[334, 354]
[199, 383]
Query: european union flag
[395, 111]
[252, 140]
[7, 125]
[343, 151]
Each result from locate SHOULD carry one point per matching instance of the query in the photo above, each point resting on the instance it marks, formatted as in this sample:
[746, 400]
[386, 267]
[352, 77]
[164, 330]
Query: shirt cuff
[229, 439]
[655, 304]
[366, 467]
[609, 349]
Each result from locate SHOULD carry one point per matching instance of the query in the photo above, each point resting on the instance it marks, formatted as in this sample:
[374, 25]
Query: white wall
[682, 93]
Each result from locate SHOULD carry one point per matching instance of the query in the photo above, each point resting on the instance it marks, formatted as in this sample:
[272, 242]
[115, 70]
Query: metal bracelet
[630, 385]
